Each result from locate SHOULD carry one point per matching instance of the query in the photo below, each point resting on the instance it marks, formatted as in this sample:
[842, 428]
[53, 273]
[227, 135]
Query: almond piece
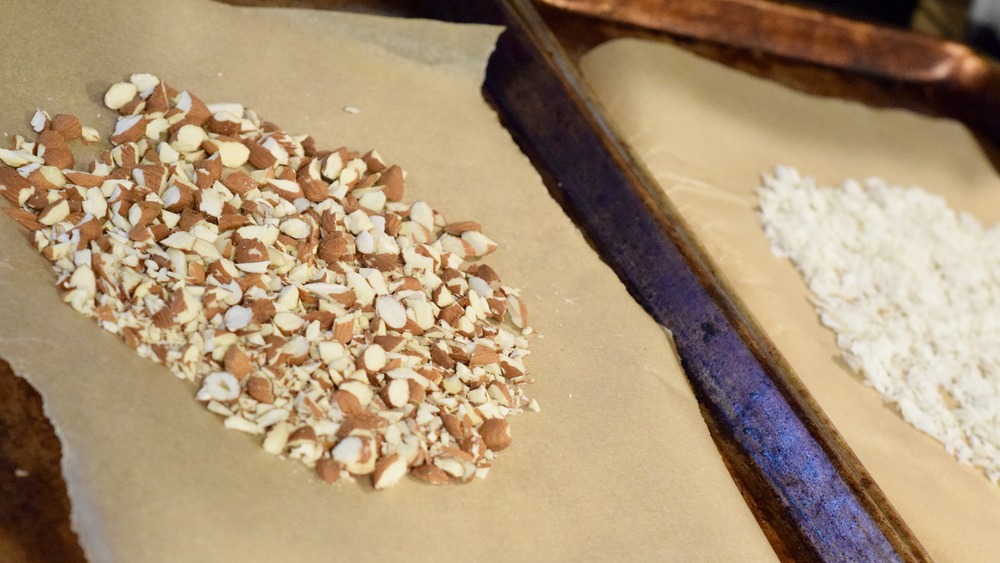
[388, 471]
[60, 157]
[288, 189]
[135, 106]
[295, 228]
[500, 393]
[391, 311]
[461, 227]
[343, 330]
[120, 94]
[356, 454]
[373, 160]
[328, 470]
[332, 247]
[360, 390]
[129, 129]
[187, 139]
[195, 111]
[481, 244]
[237, 362]
[260, 389]
[347, 402]
[67, 125]
[25, 218]
[207, 171]
[373, 359]
[83, 179]
[54, 213]
[238, 318]
[177, 198]
[395, 393]
[251, 255]
[431, 474]
[495, 433]
[517, 311]
[232, 221]
[260, 158]
[483, 355]
[224, 123]
[288, 323]
[40, 121]
[89, 135]
[232, 153]
[18, 158]
[390, 343]
[219, 386]
[239, 183]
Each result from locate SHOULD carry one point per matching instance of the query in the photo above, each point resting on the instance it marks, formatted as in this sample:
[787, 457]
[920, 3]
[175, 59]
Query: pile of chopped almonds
[308, 303]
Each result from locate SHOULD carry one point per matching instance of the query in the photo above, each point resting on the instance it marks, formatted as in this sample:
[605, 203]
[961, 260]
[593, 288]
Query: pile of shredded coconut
[912, 290]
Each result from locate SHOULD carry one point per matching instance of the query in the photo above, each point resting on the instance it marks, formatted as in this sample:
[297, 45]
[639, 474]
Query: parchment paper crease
[707, 133]
[618, 464]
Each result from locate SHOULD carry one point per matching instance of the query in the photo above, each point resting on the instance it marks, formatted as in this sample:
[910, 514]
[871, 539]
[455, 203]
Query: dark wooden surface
[34, 509]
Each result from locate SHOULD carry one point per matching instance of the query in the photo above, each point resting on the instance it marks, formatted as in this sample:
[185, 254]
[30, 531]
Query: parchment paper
[707, 133]
[617, 465]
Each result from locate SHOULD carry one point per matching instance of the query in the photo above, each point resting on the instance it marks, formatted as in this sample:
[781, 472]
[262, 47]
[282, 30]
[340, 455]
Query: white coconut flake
[912, 290]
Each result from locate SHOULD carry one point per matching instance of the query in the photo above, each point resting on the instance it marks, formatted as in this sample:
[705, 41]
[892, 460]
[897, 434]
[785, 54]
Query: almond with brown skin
[178, 198]
[260, 157]
[373, 160]
[392, 180]
[226, 127]
[328, 470]
[208, 171]
[347, 402]
[237, 362]
[332, 247]
[388, 471]
[495, 433]
[67, 125]
[250, 251]
[263, 310]
[239, 183]
[453, 425]
[390, 343]
[25, 218]
[461, 227]
[303, 434]
[157, 99]
[260, 389]
[430, 474]
[59, 157]
[232, 221]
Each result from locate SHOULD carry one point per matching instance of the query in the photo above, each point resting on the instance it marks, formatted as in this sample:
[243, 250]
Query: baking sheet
[618, 463]
[707, 133]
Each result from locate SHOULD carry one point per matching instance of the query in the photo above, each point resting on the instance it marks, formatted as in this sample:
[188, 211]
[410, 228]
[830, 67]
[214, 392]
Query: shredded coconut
[912, 290]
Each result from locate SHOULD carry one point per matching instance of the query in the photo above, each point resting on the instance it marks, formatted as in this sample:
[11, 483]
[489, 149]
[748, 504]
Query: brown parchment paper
[707, 133]
[617, 465]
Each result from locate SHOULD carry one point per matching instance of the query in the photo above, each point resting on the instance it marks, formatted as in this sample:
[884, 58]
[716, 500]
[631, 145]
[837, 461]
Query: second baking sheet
[707, 133]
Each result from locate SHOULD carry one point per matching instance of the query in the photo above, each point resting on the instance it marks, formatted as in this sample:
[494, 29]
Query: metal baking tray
[812, 496]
